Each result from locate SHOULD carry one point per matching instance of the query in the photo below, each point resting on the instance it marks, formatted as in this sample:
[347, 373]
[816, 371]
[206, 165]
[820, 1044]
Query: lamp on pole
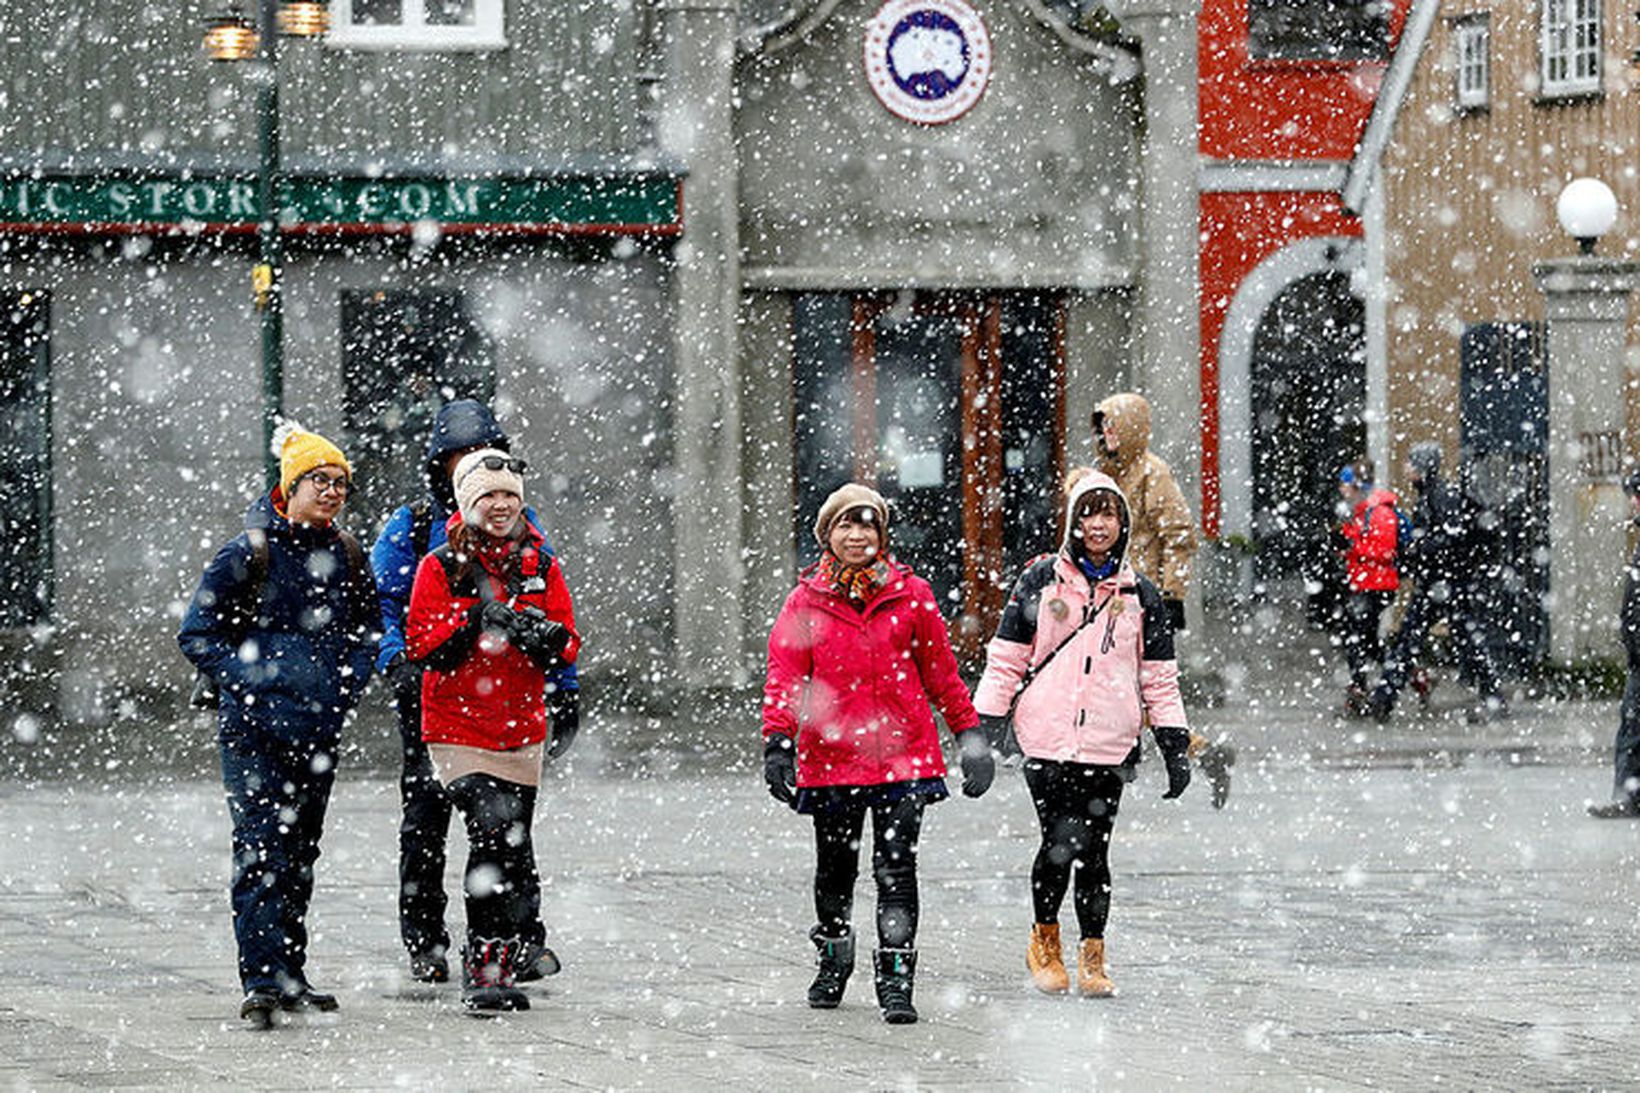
[231, 36]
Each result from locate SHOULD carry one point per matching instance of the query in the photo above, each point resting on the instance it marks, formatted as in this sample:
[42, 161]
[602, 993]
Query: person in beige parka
[1163, 534]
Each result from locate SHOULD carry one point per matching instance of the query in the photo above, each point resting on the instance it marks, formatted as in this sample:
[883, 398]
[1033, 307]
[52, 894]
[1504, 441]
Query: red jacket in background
[1371, 534]
[495, 698]
[853, 687]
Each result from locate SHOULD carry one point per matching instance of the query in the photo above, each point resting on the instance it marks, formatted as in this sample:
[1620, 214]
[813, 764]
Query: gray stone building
[707, 258]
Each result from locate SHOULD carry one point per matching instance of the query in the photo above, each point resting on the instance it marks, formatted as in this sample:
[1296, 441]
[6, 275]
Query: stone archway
[1307, 385]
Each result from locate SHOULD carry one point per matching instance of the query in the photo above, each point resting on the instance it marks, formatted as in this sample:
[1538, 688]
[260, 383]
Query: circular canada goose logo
[928, 61]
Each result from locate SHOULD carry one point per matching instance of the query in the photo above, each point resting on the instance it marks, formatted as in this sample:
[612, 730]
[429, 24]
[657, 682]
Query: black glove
[404, 676]
[492, 616]
[780, 767]
[538, 637]
[999, 734]
[565, 707]
[1174, 745]
[978, 768]
[1175, 613]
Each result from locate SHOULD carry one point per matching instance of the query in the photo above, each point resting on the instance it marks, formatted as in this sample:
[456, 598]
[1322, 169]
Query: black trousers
[502, 887]
[1076, 807]
[1362, 645]
[424, 829]
[1626, 782]
[895, 829]
[1457, 603]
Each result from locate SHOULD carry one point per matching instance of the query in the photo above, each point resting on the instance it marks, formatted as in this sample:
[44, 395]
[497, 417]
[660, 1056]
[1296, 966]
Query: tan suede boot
[1091, 979]
[1043, 957]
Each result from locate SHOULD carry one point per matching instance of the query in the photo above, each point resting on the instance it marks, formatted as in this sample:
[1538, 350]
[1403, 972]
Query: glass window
[1570, 46]
[1317, 30]
[418, 24]
[1472, 40]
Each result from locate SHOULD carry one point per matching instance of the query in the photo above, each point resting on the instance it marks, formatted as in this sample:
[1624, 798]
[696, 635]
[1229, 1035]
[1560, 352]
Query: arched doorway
[1308, 393]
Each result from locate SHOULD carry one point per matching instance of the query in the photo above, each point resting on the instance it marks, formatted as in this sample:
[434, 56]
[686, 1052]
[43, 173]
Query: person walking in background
[1442, 558]
[1369, 529]
[282, 624]
[413, 531]
[1163, 535]
[855, 657]
[1082, 658]
[1625, 802]
[490, 617]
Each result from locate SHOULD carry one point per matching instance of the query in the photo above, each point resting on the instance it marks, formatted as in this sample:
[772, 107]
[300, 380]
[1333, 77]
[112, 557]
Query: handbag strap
[1036, 669]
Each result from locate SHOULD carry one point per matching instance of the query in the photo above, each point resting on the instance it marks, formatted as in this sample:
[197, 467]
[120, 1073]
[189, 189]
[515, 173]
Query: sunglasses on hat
[499, 463]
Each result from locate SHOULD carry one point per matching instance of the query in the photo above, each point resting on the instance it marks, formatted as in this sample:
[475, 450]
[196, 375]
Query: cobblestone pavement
[1422, 905]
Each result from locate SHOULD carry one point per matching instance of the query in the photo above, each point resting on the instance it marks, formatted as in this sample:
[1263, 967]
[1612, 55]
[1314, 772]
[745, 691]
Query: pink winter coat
[853, 687]
[1086, 706]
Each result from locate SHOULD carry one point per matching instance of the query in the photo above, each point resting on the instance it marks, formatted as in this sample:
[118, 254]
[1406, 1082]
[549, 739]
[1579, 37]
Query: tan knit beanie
[473, 479]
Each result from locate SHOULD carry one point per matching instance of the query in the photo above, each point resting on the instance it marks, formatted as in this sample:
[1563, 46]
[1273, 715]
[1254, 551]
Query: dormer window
[418, 24]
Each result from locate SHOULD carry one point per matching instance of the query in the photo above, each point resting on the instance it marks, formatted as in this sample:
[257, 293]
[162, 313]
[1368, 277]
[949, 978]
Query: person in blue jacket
[283, 624]
[412, 532]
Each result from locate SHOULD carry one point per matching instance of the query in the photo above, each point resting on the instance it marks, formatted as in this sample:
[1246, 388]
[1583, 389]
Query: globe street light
[231, 36]
[1587, 209]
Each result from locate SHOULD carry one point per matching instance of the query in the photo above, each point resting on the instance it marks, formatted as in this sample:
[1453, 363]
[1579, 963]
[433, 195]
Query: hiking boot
[1091, 980]
[1628, 809]
[433, 967]
[306, 998]
[259, 1006]
[537, 962]
[488, 966]
[1045, 959]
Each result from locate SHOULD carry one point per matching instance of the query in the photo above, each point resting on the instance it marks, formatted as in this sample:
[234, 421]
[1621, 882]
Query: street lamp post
[230, 36]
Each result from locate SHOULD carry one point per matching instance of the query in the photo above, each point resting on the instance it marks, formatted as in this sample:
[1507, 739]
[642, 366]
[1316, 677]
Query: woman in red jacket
[1370, 529]
[856, 655]
[489, 616]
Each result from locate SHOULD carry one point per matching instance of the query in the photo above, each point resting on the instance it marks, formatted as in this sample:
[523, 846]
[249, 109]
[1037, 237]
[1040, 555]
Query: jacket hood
[464, 423]
[1089, 483]
[1425, 458]
[1130, 413]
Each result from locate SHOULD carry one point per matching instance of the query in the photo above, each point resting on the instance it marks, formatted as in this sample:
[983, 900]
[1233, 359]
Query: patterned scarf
[855, 583]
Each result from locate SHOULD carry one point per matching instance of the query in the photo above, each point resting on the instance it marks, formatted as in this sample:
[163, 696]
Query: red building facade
[1285, 90]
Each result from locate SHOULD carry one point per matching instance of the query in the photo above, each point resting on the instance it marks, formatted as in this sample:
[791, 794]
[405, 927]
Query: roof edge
[1387, 108]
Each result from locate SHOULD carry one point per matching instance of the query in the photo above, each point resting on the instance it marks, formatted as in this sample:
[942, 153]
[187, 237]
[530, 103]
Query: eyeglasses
[497, 463]
[323, 483]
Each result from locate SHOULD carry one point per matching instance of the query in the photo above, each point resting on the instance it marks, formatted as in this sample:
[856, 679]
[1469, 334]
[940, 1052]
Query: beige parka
[1163, 536]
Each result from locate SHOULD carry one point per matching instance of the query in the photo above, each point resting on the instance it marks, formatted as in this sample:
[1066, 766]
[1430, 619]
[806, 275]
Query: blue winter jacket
[301, 661]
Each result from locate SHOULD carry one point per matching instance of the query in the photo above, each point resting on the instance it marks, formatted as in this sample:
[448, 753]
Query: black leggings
[895, 829]
[502, 886]
[1076, 806]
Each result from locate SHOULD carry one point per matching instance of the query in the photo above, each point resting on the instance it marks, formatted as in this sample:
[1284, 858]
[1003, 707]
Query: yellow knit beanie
[300, 452]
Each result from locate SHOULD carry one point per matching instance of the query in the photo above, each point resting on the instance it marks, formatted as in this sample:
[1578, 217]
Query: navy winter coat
[294, 663]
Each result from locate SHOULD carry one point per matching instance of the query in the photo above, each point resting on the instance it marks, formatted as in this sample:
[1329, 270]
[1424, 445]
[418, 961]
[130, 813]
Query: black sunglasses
[499, 463]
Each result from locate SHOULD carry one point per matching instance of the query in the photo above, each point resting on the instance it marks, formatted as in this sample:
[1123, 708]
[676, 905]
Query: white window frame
[1569, 44]
[1472, 56]
[487, 31]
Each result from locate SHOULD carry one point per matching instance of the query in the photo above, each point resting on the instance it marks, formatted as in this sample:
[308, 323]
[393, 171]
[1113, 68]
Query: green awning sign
[567, 204]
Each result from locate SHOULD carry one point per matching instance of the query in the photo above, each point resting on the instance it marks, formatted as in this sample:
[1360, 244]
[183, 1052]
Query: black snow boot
[835, 956]
[259, 1007]
[488, 966]
[896, 975]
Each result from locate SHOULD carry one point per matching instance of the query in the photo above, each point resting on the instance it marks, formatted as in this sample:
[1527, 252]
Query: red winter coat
[853, 687]
[494, 696]
[1371, 535]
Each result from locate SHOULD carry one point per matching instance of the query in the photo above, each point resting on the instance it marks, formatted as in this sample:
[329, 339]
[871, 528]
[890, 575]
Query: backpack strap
[421, 526]
[356, 566]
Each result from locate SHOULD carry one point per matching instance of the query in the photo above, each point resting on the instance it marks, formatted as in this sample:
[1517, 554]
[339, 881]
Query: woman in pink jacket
[1083, 656]
[858, 652]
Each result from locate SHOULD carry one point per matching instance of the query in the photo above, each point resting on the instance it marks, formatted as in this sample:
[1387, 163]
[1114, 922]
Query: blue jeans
[277, 790]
